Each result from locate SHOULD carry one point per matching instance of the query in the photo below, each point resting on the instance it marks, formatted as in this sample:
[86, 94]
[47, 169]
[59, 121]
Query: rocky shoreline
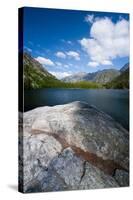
[72, 146]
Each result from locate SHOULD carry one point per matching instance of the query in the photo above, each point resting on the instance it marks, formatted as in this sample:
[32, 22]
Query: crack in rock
[108, 166]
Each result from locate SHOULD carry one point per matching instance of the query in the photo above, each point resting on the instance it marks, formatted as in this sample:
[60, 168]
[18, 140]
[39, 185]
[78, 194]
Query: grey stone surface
[122, 177]
[69, 167]
[63, 144]
[38, 151]
[69, 172]
[83, 126]
[95, 178]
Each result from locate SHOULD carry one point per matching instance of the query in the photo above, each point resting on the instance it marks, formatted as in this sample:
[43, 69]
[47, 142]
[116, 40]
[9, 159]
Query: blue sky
[67, 42]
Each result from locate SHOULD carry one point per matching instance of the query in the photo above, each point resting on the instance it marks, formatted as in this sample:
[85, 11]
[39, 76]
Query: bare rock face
[72, 146]
[95, 178]
[122, 177]
[39, 150]
[69, 172]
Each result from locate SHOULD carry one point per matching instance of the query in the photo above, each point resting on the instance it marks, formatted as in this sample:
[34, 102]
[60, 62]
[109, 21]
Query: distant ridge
[103, 76]
[36, 76]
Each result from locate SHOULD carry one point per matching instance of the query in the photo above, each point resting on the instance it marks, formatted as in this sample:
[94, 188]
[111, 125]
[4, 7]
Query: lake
[113, 102]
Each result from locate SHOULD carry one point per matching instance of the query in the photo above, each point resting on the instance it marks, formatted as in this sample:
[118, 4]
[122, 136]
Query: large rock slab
[83, 126]
[72, 146]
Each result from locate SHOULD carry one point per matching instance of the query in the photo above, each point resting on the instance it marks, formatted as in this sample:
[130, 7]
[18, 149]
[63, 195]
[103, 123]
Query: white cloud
[93, 64]
[44, 61]
[70, 54]
[107, 40]
[89, 18]
[60, 75]
[61, 65]
[73, 54]
[60, 54]
[58, 64]
[69, 42]
[27, 49]
[107, 62]
[66, 66]
[66, 41]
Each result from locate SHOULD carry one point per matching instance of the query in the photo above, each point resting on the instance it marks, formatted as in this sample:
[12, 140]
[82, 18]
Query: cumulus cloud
[107, 41]
[61, 65]
[70, 54]
[44, 61]
[60, 54]
[89, 18]
[73, 54]
[93, 64]
[61, 75]
[106, 62]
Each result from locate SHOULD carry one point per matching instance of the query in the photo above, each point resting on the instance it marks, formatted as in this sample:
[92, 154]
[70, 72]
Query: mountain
[125, 67]
[122, 81]
[103, 76]
[106, 75]
[35, 75]
[80, 76]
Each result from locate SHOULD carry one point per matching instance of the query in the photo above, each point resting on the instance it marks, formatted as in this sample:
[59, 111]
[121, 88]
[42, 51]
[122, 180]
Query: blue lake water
[113, 102]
